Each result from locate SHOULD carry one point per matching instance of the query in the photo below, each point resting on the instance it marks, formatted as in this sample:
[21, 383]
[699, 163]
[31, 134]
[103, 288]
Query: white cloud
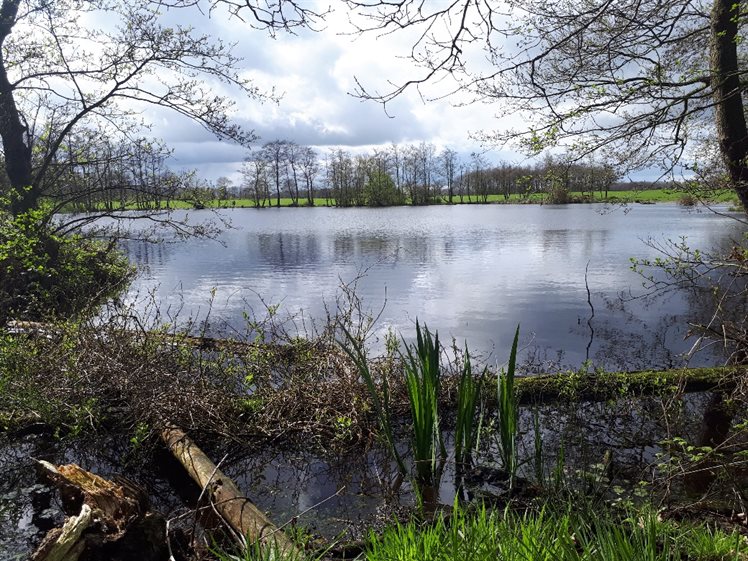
[315, 72]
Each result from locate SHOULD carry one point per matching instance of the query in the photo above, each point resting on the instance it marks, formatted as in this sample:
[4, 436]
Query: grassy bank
[559, 531]
[649, 196]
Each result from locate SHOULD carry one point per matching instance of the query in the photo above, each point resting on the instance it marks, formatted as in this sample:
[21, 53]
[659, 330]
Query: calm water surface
[472, 272]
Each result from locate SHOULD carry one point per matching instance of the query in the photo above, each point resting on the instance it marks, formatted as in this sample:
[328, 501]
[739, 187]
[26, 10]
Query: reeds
[422, 378]
[508, 414]
[355, 350]
[422, 372]
[467, 431]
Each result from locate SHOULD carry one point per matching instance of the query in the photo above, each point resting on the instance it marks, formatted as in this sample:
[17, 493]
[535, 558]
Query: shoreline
[644, 197]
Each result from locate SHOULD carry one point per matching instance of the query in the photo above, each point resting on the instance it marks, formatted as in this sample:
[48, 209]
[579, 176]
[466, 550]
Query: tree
[380, 189]
[293, 155]
[478, 176]
[309, 170]
[255, 180]
[449, 161]
[275, 154]
[61, 72]
[629, 78]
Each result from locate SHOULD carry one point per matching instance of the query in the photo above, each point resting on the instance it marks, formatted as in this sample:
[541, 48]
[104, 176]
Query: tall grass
[422, 380]
[554, 534]
[467, 431]
[508, 414]
[355, 350]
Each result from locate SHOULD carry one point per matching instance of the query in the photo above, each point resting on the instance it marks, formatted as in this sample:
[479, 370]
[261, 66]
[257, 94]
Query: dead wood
[108, 520]
[237, 510]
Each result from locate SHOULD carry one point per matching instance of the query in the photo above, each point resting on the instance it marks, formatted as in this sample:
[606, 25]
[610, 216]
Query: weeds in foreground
[554, 535]
[355, 351]
[468, 396]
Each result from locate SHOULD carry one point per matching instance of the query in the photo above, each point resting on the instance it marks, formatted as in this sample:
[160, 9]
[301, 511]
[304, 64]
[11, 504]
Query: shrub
[44, 275]
[687, 199]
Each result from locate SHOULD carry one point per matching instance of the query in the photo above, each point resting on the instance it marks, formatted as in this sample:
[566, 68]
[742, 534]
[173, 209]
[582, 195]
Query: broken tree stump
[236, 509]
[107, 520]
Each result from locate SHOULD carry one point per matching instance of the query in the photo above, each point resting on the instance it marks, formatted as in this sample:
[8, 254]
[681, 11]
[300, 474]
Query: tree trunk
[16, 144]
[732, 132]
[243, 516]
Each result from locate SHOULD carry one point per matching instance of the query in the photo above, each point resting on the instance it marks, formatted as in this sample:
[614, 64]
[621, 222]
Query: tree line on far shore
[416, 174]
[114, 176]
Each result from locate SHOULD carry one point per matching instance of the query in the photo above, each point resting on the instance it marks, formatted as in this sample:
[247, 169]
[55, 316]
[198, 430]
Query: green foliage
[255, 551]
[468, 396]
[380, 190]
[560, 533]
[354, 348]
[44, 275]
[509, 414]
[422, 376]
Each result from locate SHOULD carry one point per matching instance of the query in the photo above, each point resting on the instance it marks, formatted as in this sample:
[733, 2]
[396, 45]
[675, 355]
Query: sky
[315, 74]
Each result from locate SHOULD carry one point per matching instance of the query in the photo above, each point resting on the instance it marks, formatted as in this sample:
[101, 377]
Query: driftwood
[107, 520]
[237, 510]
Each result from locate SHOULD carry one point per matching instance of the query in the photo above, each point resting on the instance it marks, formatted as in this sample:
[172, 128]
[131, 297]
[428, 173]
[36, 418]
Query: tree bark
[108, 520]
[243, 516]
[732, 132]
[14, 133]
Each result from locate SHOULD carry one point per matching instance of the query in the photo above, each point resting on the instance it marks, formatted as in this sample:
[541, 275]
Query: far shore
[648, 196]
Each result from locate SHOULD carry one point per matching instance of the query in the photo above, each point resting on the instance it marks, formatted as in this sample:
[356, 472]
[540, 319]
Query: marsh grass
[422, 378]
[467, 430]
[508, 412]
[355, 350]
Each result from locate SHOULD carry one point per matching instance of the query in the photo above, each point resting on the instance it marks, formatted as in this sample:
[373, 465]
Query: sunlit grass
[558, 533]
[625, 196]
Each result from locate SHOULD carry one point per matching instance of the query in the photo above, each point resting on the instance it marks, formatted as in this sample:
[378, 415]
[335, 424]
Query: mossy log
[602, 386]
[237, 510]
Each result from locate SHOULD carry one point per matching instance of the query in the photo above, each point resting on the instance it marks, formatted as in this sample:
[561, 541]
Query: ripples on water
[472, 272]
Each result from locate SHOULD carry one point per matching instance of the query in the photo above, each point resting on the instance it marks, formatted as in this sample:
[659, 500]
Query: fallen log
[603, 386]
[237, 510]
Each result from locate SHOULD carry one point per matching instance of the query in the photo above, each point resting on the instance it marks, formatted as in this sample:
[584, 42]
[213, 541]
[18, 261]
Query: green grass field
[648, 196]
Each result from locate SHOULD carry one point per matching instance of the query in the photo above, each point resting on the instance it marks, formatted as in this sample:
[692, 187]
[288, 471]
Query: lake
[472, 272]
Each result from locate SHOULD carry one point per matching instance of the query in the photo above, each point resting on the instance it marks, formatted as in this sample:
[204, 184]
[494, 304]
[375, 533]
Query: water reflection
[472, 272]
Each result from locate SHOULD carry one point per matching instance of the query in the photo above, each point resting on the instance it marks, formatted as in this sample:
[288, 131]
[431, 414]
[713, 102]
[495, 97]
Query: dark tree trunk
[14, 134]
[731, 126]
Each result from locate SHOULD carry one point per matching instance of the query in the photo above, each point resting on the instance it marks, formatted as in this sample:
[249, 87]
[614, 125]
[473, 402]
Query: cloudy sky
[315, 72]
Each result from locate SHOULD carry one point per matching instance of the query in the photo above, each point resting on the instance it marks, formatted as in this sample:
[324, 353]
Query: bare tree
[64, 67]
[275, 154]
[309, 170]
[293, 157]
[635, 79]
[255, 180]
[449, 162]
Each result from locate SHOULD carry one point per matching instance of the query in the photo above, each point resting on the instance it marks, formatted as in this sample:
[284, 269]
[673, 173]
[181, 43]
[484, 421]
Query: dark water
[341, 496]
[472, 272]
